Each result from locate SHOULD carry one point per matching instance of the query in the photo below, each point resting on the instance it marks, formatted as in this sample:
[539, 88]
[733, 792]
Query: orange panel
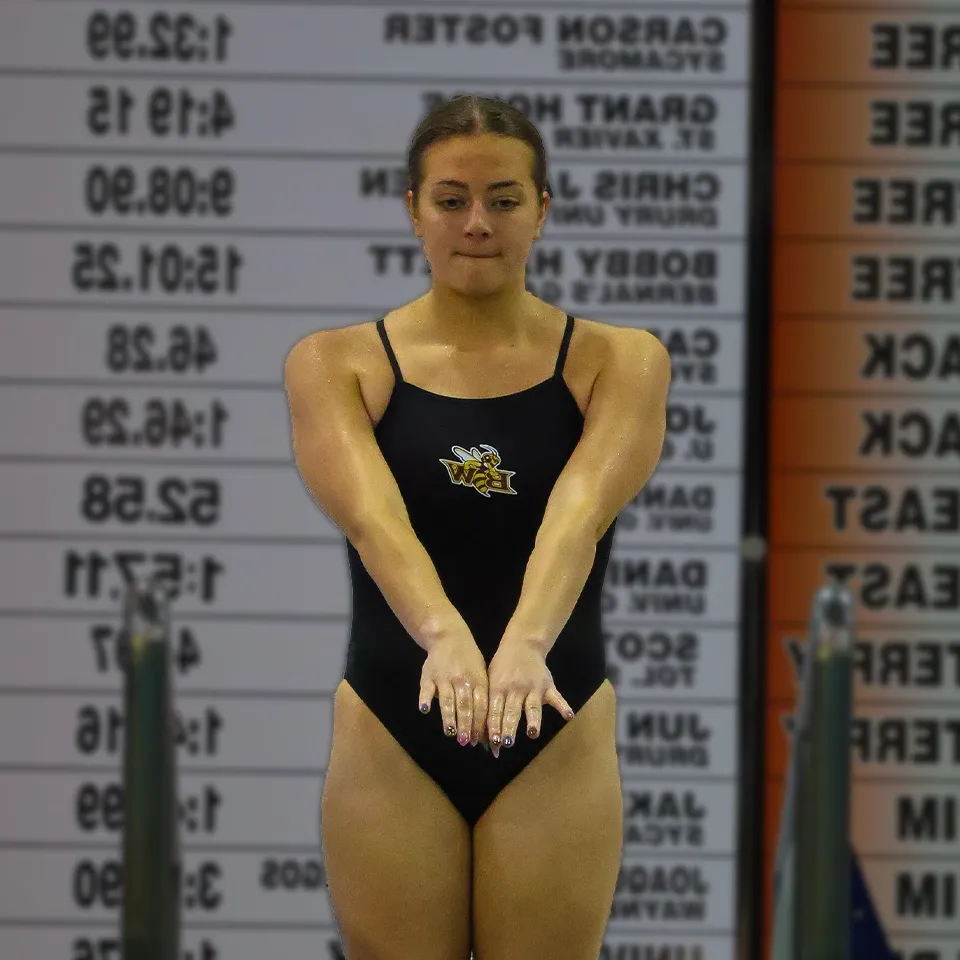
[814, 355]
[888, 589]
[782, 672]
[864, 511]
[845, 47]
[865, 356]
[855, 433]
[901, 5]
[777, 747]
[880, 124]
[862, 202]
[811, 277]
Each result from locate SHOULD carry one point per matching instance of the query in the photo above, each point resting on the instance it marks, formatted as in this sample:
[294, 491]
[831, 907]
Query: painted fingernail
[495, 739]
[451, 730]
[531, 731]
[569, 714]
[463, 739]
[508, 741]
[424, 707]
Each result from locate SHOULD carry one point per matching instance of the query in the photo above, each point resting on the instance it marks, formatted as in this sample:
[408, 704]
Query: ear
[412, 214]
[543, 213]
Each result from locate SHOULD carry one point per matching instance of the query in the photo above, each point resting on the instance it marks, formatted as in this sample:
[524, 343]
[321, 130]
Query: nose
[477, 223]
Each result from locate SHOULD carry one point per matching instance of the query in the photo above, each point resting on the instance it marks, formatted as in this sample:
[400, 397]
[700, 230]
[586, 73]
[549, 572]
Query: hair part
[466, 115]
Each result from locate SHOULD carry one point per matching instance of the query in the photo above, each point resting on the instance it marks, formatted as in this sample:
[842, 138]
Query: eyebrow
[493, 186]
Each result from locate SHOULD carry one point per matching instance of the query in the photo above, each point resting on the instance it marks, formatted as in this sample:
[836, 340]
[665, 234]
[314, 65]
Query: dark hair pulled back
[467, 114]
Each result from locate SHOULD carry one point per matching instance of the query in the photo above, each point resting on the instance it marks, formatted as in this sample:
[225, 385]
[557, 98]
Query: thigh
[396, 852]
[547, 852]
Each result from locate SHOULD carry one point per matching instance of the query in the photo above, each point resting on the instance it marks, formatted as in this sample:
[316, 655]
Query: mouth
[479, 256]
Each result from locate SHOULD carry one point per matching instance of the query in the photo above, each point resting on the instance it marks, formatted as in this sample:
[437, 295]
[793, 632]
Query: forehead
[479, 157]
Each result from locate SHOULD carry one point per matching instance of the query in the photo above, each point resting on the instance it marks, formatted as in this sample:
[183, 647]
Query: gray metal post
[821, 929]
[150, 915]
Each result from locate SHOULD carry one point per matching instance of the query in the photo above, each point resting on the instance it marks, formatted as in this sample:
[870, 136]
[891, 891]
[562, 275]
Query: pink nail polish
[463, 739]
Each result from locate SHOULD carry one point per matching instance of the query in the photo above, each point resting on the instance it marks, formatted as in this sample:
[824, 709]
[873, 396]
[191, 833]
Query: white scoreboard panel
[185, 190]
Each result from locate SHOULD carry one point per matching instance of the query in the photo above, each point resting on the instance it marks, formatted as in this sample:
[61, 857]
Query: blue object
[867, 939]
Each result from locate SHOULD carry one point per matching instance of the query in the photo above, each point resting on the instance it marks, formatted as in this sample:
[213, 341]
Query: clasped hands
[480, 704]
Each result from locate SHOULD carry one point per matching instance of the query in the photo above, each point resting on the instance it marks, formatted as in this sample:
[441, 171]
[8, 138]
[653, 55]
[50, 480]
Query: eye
[503, 203]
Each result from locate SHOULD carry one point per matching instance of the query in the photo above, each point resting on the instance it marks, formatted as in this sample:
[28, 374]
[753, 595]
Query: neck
[476, 323]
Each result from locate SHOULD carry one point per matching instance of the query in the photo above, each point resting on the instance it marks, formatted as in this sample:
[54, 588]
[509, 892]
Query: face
[478, 212]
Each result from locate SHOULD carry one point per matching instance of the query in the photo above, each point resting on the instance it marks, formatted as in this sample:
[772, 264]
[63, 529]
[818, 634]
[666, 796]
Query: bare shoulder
[624, 346]
[326, 351]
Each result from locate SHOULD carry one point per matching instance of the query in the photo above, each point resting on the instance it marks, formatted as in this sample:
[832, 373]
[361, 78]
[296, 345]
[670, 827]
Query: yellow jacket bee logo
[479, 470]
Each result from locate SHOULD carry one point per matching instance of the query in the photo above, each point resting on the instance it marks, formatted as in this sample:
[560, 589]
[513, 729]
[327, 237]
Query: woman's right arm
[343, 468]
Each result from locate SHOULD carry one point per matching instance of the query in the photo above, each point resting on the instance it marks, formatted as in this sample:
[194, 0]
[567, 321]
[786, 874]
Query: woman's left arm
[623, 434]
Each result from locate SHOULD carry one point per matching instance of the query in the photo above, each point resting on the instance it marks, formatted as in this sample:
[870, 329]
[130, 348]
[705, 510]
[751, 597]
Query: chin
[477, 291]
[472, 286]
